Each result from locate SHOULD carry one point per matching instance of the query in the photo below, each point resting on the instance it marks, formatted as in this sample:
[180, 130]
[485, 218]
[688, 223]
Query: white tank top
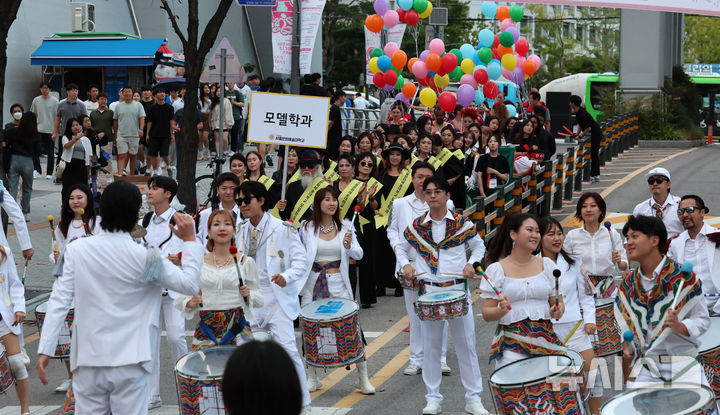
[328, 251]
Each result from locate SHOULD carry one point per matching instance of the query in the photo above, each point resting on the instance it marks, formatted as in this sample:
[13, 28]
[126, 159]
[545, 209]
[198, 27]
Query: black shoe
[366, 306]
[398, 292]
[268, 159]
[381, 292]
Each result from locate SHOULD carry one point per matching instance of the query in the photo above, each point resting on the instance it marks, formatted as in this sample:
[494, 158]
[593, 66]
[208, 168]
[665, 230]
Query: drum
[687, 400]
[63, 347]
[576, 369]
[198, 377]
[607, 337]
[535, 385]
[331, 333]
[442, 305]
[408, 285]
[709, 354]
[604, 285]
[6, 377]
[262, 335]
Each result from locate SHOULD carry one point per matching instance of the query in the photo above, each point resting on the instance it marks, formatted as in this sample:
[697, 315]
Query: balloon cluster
[409, 12]
[386, 65]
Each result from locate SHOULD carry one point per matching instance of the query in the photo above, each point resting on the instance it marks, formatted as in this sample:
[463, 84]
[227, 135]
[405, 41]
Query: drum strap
[572, 331]
[650, 364]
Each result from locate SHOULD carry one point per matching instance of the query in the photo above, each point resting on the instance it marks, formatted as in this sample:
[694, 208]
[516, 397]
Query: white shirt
[75, 230]
[15, 213]
[245, 91]
[158, 231]
[202, 227]
[449, 260]
[177, 104]
[595, 251]
[669, 208]
[91, 106]
[574, 294]
[360, 103]
[696, 252]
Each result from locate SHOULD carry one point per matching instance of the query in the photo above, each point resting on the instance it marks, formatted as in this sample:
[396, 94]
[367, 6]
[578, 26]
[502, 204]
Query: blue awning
[100, 52]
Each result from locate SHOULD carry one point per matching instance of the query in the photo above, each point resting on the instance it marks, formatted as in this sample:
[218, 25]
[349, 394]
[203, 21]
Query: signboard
[295, 120]
[702, 69]
[706, 7]
[256, 2]
[234, 71]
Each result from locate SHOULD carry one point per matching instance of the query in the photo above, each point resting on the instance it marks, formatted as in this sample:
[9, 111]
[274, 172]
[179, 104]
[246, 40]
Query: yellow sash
[370, 183]
[434, 162]
[398, 190]
[348, 195]
[444, 156]
[459, 154]
[306, 200]
[331, 174]
[266, 181]
[275, 211]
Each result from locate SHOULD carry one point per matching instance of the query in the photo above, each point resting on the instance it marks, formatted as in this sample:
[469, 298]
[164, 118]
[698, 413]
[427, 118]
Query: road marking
[164, 410]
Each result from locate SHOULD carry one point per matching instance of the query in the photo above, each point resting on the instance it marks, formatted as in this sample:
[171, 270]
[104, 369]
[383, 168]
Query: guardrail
[359, 120]
[555, 180]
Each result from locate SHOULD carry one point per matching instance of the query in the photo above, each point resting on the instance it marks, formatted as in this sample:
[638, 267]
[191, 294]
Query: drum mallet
[24, 272]
[556, 274]
[479, 270]
[352, 222]
[686, 269]
[608, 226]
[52, 231]
[233, 252]
[628, 337]
[81, 211]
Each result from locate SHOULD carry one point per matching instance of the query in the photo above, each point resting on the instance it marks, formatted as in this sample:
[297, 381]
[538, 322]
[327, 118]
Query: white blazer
[67, 152]
[309, 236]
[117, 313]
[11, 288]
[676, 251]
[73, 233]
[12, 209]
[284, 255]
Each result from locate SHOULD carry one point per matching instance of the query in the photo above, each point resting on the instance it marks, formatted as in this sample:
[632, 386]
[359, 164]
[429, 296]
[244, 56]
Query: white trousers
[272, 318]
[175, 330]
[102, 390]
[463, 331]
[416, 336]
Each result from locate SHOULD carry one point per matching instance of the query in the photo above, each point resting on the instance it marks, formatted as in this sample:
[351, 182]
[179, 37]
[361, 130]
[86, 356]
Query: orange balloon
[503, 12]
[398, 59]
[502, 50]
[374, 23]
[409, 90]
[528, 67]
[411, 62]
[433, 62]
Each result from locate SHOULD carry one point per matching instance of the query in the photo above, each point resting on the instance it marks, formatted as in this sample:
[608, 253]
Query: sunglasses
[657, 180]
[689, 209]
[246, 200]
[306, 165]
[367, 164]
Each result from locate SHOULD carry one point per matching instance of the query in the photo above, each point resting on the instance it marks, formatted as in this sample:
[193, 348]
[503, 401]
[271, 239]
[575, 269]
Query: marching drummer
[667, 353]
[443, 231]
[330, 243]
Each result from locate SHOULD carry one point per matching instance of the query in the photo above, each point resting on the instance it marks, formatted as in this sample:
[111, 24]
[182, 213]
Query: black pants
[75, 172]
[366, 266]
[47, 148]
[385, 261]
[595, 154]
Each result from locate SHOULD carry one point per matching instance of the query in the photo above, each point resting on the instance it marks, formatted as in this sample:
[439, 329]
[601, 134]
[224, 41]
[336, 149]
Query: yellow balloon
[427, 11]
[509, 61]
[467, 66]
[441, 81]
[372, 63]
[428, 97]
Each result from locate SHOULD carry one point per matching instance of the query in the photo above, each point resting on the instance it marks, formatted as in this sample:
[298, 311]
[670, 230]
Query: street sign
[256, 2]
[234, 69]
[295, 120]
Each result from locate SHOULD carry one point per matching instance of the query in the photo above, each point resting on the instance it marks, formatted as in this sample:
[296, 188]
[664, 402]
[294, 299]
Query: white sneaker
[432, 408]
[313, 380]
[64, 386]
[446, 371]
[476, 408]
[48, 177]
[154, 403]
[412, 369]
[307, 410]
[27, 217]
[36, 175]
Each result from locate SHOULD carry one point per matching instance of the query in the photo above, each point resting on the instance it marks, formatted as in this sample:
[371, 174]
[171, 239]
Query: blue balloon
[494, 70]
[467, 51]
[485, 38]
[384, 63]
[489, 8]
[511, 109]
[479, 98]
[476, 59]
[431, 74]
[405, 4]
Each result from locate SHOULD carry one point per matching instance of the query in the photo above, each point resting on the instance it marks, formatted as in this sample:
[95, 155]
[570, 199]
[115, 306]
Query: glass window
[579, 33]
[566, 29]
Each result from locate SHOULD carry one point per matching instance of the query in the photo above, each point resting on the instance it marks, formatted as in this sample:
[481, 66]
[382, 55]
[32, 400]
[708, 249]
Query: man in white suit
[280, 257]
[117, 285]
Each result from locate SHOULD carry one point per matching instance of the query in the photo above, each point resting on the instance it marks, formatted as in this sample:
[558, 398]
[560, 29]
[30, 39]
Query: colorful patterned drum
[709, 354]
[198, 377]
[607, 337]
[536, 385]
[604, 285]
[331, 333]
[690, 400]
[442, 305]
[6, 377]
[62, 351]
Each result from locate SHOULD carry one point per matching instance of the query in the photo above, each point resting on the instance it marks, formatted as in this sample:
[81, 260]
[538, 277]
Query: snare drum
[688, 400]
[198, 377]
[535, 385]
[63, 347]
[331, 333]
[6, 377]
[607, 338]
[442, 305]
[604, 285]
[709, 354]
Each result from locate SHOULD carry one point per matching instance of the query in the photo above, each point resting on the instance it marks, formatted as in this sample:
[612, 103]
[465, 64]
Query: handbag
[59, 169]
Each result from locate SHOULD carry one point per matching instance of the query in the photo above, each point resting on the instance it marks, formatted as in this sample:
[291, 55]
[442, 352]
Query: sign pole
[223, 57]
[284, 176]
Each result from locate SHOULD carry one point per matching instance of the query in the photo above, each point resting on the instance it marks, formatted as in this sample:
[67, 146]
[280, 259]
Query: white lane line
[34, 410]
[165, 410]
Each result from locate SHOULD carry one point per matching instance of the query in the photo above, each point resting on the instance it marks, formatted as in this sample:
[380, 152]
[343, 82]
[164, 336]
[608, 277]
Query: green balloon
[376, 53]
[506, 39]
[456, 74]
[420, 5]
[457, 53]
[400, 82]
[516, 12]
[485, 55]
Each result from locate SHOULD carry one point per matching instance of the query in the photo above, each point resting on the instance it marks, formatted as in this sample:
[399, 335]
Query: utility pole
[295, 59]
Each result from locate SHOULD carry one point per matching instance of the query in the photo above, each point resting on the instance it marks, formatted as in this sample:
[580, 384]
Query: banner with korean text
[282, 28]
[295, 120]
[311, 15]
[372, 41]
[706, 7]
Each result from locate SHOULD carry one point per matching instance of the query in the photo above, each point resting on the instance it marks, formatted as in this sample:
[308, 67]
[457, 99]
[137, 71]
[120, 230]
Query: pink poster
[282, 28]
[706, 7]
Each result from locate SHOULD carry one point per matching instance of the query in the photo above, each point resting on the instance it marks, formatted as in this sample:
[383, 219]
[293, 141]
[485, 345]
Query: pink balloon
[465, 94]
[506, 23]
[468, 79]
[506, 74]
[390, 47]
[424, 54]
[391, 18]
[520, 61]
[419, 70]
[437, 46]
[535, 59]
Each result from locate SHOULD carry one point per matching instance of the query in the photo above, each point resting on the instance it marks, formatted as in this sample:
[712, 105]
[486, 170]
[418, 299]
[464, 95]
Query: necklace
[76, 220]
[218, 266]
[522, 264]
[328, 229]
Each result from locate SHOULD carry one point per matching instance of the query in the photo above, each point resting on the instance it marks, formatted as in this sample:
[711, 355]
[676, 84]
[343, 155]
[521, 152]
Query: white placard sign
[295, 120]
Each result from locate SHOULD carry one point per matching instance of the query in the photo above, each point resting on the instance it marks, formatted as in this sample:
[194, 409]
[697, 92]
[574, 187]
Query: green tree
[702, 39]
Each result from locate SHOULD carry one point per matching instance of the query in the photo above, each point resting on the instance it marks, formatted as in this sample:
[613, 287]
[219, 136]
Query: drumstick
[566, 129]
[556, 274]
[233, 252]
[686, 269]
[564, 134]
[52, 231]
[608, 226]
[480, 271]
[81, 211]
[24, 272]
[352, 222]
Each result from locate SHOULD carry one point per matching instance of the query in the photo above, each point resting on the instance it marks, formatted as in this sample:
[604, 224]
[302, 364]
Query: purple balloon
[424, 55]
[465, 94]
[401, 97]
[515, 33]
[381, 7]
[389, 87]
[517, 76]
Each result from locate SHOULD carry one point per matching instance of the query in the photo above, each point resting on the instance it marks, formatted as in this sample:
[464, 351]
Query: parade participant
[220, 303]
[578, 322]
[226, 184]
[666, 341]
[12, 315]
[410, 130]
[348, 190]
[588, 125]
[331, 243]
[438, 120]
[161, 190]
[423, 152]
[280, 258]
[453, 167]
[528, 299]
[238, 166]
[697, 244]
[662, 204]
[365, 171]
[111, 375]
[404, 211]
[15, 216]
[493, 170]
[297, 205]
[424, 125]
[256, 169]
[441, 229]
[293, 172]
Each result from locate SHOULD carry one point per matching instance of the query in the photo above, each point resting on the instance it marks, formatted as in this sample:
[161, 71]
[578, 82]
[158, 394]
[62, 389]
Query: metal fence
[359, 120]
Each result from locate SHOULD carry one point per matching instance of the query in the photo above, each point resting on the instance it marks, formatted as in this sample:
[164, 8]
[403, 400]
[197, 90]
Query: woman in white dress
[330, 243]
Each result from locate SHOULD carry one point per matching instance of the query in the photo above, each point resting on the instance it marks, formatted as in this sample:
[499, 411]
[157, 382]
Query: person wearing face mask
[24, 146]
